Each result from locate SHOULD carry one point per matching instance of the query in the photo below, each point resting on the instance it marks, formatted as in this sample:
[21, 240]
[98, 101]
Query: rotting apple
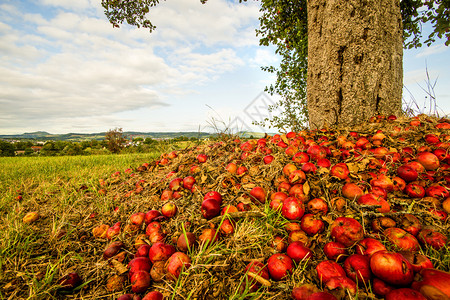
[186, 241]
[432, 238]
[176, 263]
[317, 206]
[352, 191]
[428, 160]
[417, 260]
[341, 282]
[312, 224]
[140, 281]
[256, 268]
[160, 251]
[347, 231]
[433, 284]
[328, 269]
[404, 293]
[402, 239]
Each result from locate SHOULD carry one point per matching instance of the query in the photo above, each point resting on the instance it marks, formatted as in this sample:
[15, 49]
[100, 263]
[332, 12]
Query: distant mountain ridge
[45, 136]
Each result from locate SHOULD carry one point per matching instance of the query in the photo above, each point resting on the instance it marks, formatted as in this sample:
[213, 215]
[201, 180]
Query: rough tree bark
[355, 55]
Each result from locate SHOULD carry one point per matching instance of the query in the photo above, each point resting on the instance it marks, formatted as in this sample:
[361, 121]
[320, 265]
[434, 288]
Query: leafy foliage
[284, 24]
[115, 140]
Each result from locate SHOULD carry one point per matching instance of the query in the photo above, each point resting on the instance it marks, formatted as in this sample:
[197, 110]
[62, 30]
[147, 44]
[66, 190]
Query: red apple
[151, 215]
[352, 191]
[346, 231]
[300, 158]
[140, 281]
[210, 208]
[298, 252]
[297, 176]
[113, 231]
[316, 152]
[69, 281]
[214, 195]
[371, 199]
[417, 260]
[340, 171]
[415, 190]
[404, 293]
[202, 158]
[169, 209]
[258, 194]
[112, 249]
[392, 268]
[304, 291]
[432, 238]
[280, 265]
[321, 296]
[410, 224]
[312, 224]
[369, 246]
[407, 173]
[357, 267]
[268, 159]
[209, 236]
[433, 284]
[137, 218]
[335, 250]
[402, 239]
[153, 295]
[341, 282]
[428, 160]
[292, 209]
[139, 264]
[317, 206]
[328, 269]
[160, 251]
[256, 268]
[188, 182]
[176, 263]
[380, 287]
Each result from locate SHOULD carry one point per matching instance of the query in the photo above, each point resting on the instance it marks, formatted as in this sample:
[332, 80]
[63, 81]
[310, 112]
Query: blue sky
[63, 68]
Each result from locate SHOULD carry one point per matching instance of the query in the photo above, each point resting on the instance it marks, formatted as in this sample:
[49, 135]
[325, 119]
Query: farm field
[121, 222]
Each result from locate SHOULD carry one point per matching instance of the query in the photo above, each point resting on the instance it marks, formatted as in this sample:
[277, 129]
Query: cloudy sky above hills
[63, 68]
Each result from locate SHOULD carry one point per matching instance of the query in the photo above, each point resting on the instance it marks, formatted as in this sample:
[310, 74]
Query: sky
[65, 69]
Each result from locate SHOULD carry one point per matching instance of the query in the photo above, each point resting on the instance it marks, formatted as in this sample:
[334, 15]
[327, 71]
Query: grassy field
[55, 188]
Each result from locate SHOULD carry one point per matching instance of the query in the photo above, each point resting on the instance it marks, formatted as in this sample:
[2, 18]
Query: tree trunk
[355, 58]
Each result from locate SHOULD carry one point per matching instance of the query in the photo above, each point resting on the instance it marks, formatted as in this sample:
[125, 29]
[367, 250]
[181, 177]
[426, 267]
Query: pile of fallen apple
[364, 210]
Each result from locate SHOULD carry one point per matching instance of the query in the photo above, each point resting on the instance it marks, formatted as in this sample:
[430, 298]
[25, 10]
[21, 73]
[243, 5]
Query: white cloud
[66, 65]
[432, 50]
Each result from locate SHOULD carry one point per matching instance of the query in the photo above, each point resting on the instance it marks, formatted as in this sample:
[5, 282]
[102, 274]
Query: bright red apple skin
[151, 215]
[280, 265]
[380, 287]
[357, 267]
[371, 199]
[214, 195]
[153, 295]
[140, 281]
[428, 160]
[403, 294]
[139, 264]
[259, 269]
[292, 209]
[346, 231]
[321, 296]
[335, 251]
[160, 251]
[392, 268]
[369, 246]
[415, 190]
[298, 252]
[402, 239]
[340, 171]
[407, 173]
[176, 263]
[258, 194]
[328, 269]
[188, 182]
[304, 291]
[210, 208]
[433, 284]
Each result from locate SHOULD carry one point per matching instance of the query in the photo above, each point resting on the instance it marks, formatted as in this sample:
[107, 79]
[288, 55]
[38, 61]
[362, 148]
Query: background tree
[354, 66]
[115, 140]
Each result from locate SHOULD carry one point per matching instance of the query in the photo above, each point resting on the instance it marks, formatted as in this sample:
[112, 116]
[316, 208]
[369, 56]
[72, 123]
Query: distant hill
[75, 137]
